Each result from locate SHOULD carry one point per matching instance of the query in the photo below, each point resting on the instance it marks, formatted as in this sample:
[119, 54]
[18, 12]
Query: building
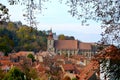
[70, 47]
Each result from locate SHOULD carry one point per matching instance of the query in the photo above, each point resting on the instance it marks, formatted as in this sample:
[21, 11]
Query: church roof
[66, 44]
[85, 46]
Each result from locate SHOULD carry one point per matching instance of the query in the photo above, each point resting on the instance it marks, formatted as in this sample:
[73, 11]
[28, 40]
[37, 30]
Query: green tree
[8, 40]
[31, 56]
[74, 79]
[33, 74]
[12, 27]
[14, 74]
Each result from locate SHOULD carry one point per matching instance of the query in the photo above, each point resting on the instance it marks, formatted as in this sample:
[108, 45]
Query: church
[70, 47]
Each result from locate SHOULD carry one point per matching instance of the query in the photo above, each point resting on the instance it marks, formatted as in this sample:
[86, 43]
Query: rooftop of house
[59, 57]
[68, 67]
[111, 52]
[24, 53]
[78, 57]
[40, 68]
[89, 70]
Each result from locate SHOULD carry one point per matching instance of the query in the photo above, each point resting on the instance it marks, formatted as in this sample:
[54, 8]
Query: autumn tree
[28, 70]
[109, 59]
[66, 78]
[2, 74]
[61, 37]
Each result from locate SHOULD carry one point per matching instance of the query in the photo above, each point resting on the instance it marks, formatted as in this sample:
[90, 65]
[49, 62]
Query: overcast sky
[61, 22]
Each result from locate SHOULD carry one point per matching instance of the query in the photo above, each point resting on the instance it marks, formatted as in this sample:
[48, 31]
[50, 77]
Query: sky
[56, 16]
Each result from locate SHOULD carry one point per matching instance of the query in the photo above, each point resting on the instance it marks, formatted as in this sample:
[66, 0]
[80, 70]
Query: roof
[111, 52]
[40, 68]
[85, 46]
[5, 62]
[67, 67]
[89, 70]
[23, 53]
[66, 44]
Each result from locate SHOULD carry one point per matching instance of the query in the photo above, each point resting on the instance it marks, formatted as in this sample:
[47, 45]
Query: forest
[15, 37]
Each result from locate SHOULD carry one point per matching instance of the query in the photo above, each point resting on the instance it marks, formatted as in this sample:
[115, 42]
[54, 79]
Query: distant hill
[16, 37]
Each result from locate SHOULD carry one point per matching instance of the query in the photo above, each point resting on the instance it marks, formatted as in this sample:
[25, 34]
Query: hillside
[15, 37]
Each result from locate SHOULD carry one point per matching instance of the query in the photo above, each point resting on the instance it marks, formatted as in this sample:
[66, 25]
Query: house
[90, 72]
[70, 47]
[68, 68]
[16, 57]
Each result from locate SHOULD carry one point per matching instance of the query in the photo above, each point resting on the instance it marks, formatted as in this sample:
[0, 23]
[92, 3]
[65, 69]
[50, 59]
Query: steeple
[50, 34]
[50, 41]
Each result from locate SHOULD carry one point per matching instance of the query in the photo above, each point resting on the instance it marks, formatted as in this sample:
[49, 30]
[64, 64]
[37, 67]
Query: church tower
[50, 42]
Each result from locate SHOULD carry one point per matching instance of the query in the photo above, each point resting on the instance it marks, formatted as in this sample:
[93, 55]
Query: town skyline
[61, 22]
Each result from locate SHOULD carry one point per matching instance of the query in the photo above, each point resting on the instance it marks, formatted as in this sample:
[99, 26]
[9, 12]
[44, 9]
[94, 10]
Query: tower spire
[50, 35]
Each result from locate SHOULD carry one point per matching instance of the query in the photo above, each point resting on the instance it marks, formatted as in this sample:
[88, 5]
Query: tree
[105, 11]
[8, 40]
[33, 74]
[29, 72]
[66, 78]
[2, 74]
[14, 74]
[69, 38]
[109, 59]
[61, 37]
[74, 79]
[3, 13]
[31, 57]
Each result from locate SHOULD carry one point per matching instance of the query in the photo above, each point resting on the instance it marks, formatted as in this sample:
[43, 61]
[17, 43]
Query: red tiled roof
[59, 57]
[5, 62]
[23, 53]
[67, 67]
[110, 52]
[78, 57]
[89, 70]
[40, 68]
[66, 44]
[85, 46]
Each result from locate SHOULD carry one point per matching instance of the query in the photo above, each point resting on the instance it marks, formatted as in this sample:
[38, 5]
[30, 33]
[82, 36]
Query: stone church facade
[70, 47]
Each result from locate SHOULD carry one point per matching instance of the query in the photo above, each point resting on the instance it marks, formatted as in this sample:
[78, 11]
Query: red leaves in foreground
[110, 52]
